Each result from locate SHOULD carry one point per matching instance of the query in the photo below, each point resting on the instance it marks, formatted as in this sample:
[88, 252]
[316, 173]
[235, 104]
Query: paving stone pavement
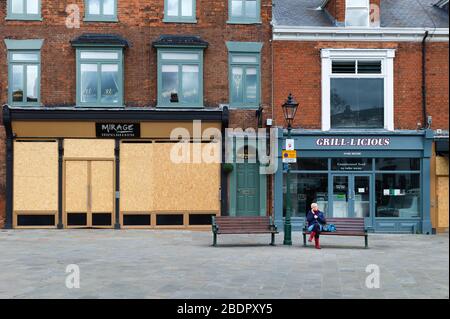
[182, 264]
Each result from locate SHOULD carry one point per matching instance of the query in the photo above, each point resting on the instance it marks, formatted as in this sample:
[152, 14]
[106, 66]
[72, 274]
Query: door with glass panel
[341, 196]
[89, 194]
[351, 196]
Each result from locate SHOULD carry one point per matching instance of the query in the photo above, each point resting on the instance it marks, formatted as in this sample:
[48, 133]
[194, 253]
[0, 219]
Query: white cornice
[290, 33]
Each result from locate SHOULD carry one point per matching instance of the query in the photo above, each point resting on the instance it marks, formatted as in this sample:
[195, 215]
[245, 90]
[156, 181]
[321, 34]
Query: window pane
[169, 82]
[108, 7]
[17, 83]
[310, 164]
[94, 6]
[244, 59]
[186, 8]
[344, 67]
[351, 164]
[99, 55]
[110, 83]
[190, 84]
[179, 56]
[369, 67]
[357, 103]
[357, 17]
[237, 95]
[172, 7]
[25, 57]
[251, 85]
[305, 190]
[250, 8]
[89, 76]
[236, 8]
[398, 195]
[32, 7]
[17, 7]
[398, 164]
[32, 83]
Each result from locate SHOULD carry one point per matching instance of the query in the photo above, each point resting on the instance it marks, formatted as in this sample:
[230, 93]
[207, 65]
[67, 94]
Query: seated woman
[316, 220]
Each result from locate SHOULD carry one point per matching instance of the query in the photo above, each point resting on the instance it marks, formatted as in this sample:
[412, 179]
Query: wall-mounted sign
[353, 141]
[118, 129]
[289, 156]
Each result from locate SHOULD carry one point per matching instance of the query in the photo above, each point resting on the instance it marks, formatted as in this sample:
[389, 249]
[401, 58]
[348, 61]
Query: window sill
[180, 106]
[24, 18]
[244, 22]
[27, 104]
[175, 20]
[101, 106]
[92, 19]
[243, 107]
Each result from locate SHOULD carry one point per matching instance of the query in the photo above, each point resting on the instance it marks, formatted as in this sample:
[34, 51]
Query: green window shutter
[100, 11]
[180, 77]
[180, 11]
[244, 60]
[244, 11]
[100, 77]
[24, 10]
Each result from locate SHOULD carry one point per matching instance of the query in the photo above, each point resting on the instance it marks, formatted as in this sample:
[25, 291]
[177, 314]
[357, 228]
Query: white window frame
[349, 8]
[386, 56]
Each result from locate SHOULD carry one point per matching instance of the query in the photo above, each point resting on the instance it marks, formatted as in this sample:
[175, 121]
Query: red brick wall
[437, 84]
[297, 69]
[140, 22]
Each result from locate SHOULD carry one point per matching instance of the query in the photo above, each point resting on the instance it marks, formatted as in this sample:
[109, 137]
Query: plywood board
[136, 177]
[441, 166]
[35, 176]
[88, 148]
[442, 197]
[53, 129]
[102, 186]
[184, 187]
[76, 186]
[165, 129]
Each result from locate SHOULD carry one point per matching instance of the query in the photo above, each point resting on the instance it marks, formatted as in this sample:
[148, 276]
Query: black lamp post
[289, 110]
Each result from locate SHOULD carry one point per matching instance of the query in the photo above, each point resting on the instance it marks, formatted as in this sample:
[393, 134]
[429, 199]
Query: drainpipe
[9, 166]
[424, 78]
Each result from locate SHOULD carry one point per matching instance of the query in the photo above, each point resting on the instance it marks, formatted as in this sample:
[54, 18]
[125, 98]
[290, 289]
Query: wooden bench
[243, 225]
[344, 227]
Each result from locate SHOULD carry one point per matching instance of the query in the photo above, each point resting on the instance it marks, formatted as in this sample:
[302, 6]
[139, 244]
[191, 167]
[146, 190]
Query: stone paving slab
[182, 264]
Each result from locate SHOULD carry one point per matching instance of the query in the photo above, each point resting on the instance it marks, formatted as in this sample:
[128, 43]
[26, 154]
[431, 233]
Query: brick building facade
[322, 52]
[141, 23]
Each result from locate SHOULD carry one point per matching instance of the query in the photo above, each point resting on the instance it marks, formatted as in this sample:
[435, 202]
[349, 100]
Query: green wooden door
[247, 189]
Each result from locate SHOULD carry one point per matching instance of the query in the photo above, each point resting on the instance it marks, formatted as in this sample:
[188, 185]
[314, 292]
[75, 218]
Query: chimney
[337, 9]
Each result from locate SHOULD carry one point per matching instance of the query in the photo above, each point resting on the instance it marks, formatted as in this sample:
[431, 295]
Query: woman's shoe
[311, 236]
[318, 244]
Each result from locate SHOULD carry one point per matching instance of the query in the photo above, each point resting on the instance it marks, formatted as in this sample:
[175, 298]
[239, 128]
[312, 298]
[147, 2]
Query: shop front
[114, 168]
[381, 177]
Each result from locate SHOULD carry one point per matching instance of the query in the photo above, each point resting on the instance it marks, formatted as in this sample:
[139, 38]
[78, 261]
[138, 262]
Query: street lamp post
[289, 110]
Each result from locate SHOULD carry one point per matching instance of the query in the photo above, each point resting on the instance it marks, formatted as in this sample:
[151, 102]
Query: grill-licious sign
[118, 129]
[353, 141]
